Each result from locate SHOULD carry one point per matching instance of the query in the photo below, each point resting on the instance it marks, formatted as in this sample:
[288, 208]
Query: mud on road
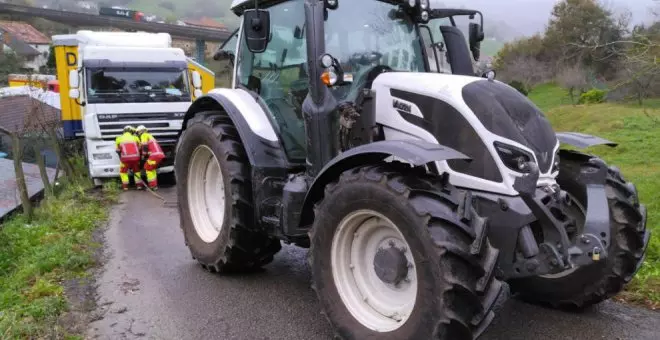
[151, 288]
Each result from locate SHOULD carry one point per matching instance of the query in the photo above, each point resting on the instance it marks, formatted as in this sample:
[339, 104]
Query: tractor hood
[507, 113]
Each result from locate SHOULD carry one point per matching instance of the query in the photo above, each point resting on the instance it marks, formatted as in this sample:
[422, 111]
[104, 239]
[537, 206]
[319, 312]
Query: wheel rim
[206, 194]
[357, 249]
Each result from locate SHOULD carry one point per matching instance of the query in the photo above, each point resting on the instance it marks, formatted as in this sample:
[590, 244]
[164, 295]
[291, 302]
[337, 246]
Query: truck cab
[112, 79]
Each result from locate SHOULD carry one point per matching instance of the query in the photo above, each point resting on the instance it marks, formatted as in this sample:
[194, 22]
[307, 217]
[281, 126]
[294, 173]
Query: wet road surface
[152, 289]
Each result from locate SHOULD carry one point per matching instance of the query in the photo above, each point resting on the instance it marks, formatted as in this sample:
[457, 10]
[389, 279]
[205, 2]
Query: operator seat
[458, 52]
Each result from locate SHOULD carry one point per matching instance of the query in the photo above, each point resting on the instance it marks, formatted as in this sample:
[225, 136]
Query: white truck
[112, 79]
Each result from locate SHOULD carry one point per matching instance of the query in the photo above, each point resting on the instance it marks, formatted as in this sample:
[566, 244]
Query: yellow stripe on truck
[208, 76]
[66, 59]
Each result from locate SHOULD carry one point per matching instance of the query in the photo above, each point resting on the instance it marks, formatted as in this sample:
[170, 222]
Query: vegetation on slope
[38, 260]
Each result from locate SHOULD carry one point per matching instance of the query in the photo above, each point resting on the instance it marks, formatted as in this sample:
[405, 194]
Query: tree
[573, 78]
[50, 63]
[10, 62]
[575, 24]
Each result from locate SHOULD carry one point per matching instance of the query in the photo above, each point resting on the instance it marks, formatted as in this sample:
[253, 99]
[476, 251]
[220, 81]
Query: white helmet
[141, 128]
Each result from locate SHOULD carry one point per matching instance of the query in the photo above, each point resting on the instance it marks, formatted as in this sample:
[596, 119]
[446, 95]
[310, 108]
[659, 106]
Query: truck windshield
[365, 34]
[136, 85]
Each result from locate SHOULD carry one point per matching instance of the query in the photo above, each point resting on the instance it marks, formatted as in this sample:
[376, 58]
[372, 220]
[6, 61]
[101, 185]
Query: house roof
[23, 113]
[18, 46]
[205, 22]
[24, 32]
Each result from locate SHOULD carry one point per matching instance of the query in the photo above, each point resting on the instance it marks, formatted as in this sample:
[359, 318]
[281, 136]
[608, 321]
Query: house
[26, 41]
[27, 112]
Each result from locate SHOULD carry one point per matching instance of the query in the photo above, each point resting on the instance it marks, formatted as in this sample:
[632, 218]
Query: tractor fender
[415, 152]
[582, 140]
[252, 124]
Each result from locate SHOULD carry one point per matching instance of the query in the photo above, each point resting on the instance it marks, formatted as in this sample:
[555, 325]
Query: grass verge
[637, 130]
[38, 259]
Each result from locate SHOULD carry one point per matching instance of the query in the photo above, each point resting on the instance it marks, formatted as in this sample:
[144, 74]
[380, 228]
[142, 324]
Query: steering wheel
[365, 58]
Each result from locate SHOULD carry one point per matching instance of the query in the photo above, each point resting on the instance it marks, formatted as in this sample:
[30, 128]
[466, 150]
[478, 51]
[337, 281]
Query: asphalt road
[152, 289]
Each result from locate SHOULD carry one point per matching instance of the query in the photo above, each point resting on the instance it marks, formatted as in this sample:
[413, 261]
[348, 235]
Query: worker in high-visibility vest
[152, 154]
[128, 149]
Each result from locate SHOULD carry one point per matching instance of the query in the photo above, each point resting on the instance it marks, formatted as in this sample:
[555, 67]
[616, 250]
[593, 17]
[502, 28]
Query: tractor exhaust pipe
[321, 127]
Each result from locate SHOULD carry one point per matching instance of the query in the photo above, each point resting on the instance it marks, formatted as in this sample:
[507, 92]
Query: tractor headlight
[513, 158]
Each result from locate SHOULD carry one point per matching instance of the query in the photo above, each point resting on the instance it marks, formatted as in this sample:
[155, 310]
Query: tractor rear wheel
[215, 197]
[585, 286]
[395, 255]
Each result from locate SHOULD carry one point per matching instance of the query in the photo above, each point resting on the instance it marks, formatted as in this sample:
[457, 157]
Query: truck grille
[164, 126]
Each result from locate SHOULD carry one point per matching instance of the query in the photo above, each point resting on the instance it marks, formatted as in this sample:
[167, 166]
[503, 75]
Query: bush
[519, 86]
[593, 96]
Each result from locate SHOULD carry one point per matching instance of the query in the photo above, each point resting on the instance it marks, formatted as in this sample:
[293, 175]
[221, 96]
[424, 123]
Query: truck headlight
[102, 156]
[513, 158]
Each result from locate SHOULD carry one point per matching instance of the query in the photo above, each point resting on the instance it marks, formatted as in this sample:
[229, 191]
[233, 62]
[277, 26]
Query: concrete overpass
[201, 35]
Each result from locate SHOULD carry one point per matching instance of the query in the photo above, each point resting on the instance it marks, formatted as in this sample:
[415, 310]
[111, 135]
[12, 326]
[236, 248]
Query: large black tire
[240, 244]
[629, 238]
[453, 258]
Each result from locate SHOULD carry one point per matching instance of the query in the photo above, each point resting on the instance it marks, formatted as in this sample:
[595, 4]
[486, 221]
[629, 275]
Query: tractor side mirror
[476, 37]
[73, 79]
[256, 24]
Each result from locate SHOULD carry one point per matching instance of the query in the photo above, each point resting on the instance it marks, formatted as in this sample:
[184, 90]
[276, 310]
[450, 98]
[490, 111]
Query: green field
[637, 130]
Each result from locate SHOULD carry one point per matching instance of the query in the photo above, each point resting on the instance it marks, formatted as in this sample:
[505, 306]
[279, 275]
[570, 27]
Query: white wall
[39, 60]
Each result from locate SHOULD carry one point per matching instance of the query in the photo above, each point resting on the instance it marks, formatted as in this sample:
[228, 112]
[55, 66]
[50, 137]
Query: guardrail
[83, 19]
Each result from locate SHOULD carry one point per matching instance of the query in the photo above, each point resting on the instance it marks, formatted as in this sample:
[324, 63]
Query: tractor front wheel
[585, 286]
[394, 256]
[215, 197]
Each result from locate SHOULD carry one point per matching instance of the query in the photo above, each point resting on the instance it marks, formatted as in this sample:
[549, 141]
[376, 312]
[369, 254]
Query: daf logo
[107, 116]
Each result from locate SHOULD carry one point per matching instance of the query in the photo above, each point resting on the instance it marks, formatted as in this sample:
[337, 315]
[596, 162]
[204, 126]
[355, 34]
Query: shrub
[519, 86]
[593, 96]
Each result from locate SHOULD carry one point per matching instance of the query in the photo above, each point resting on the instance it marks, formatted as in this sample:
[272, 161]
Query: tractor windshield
[364, 34]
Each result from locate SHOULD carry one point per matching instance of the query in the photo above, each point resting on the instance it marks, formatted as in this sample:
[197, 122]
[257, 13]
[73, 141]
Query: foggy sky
[527, 22]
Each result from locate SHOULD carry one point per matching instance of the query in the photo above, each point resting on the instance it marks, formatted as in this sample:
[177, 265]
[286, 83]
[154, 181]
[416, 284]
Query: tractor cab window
[434, 44]
[279, 74]
[366, 34]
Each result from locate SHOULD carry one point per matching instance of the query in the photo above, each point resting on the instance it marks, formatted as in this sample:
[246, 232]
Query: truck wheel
[215, 197]
[582, 287]
[394, 256]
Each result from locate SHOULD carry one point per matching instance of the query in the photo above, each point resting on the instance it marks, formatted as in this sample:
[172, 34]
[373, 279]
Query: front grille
[159, 124]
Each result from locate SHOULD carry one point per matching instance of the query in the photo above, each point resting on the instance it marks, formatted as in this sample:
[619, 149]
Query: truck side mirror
[196, 79]
[476, 37]
[74, 93]
[73, 79]
[256, 25]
